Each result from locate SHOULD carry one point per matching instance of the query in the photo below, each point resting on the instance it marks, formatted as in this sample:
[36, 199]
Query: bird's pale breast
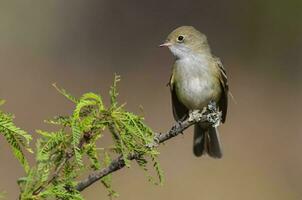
[196, 82]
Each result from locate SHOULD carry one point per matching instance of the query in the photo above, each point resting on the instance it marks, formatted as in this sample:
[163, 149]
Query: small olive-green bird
[197, 78]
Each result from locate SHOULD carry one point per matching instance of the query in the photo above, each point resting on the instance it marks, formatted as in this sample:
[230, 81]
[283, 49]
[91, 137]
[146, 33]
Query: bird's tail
[206, 140]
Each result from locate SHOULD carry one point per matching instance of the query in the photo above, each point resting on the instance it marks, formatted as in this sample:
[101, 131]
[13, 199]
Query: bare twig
[208, 116]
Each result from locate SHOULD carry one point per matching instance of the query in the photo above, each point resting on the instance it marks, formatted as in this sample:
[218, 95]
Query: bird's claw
[212, 106]
[214, 115]
[195, 115]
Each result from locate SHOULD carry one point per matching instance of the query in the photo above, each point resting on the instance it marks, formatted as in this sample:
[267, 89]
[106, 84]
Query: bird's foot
[212, 106]
[214, 115]
[196, 115]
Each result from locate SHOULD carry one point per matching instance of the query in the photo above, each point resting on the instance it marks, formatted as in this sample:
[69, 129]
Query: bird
[198, 78]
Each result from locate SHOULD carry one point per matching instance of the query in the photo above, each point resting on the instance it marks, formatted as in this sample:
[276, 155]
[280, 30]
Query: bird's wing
[223, 102]
[180, 111]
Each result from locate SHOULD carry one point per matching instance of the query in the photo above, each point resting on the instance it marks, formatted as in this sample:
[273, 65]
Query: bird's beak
[166, 44]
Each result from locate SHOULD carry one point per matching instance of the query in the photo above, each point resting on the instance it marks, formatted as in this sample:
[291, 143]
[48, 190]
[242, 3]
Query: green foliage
[16, 137]
[64, 155]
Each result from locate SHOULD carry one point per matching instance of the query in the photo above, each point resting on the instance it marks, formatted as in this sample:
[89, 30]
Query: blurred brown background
[81, 44]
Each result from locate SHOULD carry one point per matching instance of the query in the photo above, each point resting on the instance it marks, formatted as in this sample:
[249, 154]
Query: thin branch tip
[209, 115]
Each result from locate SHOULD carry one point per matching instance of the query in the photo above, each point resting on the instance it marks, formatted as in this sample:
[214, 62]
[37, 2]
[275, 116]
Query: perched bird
[197, 78]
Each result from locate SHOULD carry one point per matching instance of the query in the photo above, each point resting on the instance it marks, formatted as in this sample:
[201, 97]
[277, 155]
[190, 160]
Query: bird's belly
[195, 93]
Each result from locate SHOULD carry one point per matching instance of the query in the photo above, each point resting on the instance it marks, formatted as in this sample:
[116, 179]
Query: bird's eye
[180, 38]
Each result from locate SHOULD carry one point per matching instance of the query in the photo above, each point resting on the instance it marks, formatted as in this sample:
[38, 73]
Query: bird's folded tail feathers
[206, 140]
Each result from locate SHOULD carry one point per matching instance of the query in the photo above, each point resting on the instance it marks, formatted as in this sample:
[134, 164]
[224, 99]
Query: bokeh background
[81, 44]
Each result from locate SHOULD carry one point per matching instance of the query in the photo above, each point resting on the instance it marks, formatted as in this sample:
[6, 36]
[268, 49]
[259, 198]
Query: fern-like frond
[65, 93]
[61, 154]
[16, 137]
[51, 140]
[91, 151]
[64, 121]
[76, 137]
[113, 92]
[94, 97]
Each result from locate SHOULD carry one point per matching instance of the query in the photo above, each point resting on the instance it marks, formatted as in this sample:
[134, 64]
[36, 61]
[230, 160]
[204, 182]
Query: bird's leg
[214, 115]
[212, 106]
[195, 115]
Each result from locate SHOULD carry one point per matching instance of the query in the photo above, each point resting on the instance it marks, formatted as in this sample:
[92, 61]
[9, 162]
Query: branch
[68, 155]
[210, 116]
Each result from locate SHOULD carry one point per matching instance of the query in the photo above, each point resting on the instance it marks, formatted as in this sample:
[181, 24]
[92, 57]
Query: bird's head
[186, 41]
